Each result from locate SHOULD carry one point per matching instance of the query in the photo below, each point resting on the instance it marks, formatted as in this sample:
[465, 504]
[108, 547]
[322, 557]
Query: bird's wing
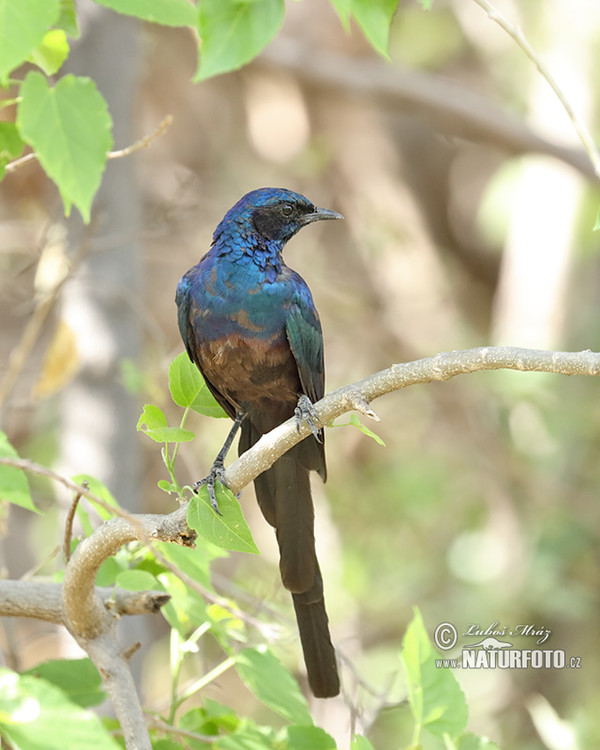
[303, 330]
[304, 334]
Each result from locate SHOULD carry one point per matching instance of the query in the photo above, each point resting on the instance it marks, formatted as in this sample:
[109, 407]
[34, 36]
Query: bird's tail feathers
[319, 654]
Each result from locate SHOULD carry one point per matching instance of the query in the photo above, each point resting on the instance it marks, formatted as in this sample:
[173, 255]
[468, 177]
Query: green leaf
[436, 700]
[309, 738]
[374, 18]
[11, 144]
[361, 743]
[36, 714]
[79, 679]
[249, 737]
[354, 420]
[153, 423]
[234, 32]
[342, 8]
[166, 486]
[52, 52]
[67, 20]
[100, 489]
[228, 530]
[186, 609]
[189, 389]
[470, 741]
[137, 580]
[209, 719]
[13, 482]
[69, 128]
[164, 12]
[265, 676]
[23, 24]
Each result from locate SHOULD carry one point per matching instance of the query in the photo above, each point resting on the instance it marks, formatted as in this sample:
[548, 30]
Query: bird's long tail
[284, 497]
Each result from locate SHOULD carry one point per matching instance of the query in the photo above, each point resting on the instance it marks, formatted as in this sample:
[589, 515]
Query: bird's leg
[217, 470]
[305, 412]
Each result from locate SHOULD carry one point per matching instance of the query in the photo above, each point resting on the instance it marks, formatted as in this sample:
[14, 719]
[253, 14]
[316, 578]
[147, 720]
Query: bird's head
[276, 214]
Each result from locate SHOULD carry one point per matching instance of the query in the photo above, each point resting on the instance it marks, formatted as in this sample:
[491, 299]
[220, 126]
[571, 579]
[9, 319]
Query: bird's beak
[320, 214]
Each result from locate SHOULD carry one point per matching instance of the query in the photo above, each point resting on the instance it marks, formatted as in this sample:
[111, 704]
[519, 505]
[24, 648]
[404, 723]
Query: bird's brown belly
[261, 371]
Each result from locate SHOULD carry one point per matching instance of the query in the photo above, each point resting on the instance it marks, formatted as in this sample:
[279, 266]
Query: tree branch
[43, 600]
[85, 609]
[446, 104]
[358, 395]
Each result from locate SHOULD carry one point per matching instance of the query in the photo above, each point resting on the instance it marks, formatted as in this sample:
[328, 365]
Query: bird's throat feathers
[234, 243]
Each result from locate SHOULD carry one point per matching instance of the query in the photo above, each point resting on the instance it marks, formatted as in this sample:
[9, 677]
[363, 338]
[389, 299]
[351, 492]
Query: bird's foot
[305, 412]
[216, 474]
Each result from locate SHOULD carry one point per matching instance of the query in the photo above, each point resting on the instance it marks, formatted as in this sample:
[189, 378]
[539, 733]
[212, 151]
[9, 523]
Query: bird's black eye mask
[277, 222]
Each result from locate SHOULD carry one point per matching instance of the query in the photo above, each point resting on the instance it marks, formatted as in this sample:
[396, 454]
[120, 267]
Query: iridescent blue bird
[249, 323]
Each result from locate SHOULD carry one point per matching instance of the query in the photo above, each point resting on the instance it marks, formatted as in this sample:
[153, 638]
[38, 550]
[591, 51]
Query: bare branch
[42, 600]
[442, 366]
[83, 607]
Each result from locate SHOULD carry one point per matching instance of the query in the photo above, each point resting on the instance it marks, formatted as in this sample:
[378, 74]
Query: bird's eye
[287, 209]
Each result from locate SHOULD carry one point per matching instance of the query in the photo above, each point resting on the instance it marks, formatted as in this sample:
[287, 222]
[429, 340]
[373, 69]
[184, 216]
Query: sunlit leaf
[13, 482]
[309, 738]
[361, 743]
[165, 12]
[69, 128]
[436, 700]
[52, 52]
[374, 18]
[36, 714]
[265, 676]
[234, 32]
[23, 24]
[228, 530]
[136, 580]
[189, 389]
[153, 423]
[354, 420]
[11, 144]
[471, 741]
[67, 20]
[77, 678]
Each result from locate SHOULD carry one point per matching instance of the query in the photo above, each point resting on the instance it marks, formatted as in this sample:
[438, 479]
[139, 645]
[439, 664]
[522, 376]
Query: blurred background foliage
[468, 221]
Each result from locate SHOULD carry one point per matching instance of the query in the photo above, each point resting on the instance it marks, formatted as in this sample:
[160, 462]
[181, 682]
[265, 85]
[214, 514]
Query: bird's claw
[305, 412]
[216, 474]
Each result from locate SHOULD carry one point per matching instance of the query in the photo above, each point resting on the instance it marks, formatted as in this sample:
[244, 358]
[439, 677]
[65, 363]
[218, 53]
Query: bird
[249, 323]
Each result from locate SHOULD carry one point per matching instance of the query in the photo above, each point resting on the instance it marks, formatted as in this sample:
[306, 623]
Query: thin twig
[517, 36]
[161, 726]
[21, 161]
[69, 524]
[142, 143]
